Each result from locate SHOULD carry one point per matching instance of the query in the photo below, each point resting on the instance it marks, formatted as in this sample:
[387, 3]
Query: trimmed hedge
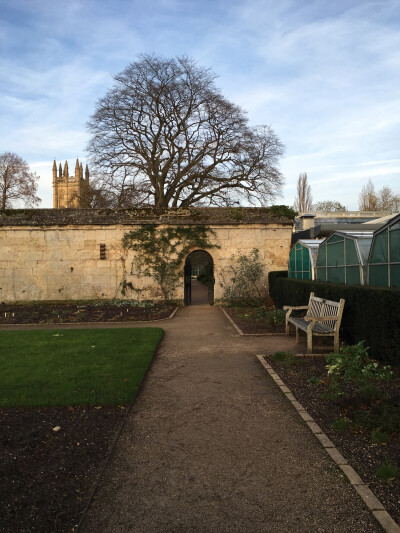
[370, 313]
[272, 277]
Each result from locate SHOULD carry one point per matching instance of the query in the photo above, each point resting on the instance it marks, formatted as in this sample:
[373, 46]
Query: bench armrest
[289, 307]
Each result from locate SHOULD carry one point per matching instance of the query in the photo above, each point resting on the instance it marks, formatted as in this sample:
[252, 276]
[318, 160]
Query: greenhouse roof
[309, 243]
[393, 220]
[363, 240]
[384, 220]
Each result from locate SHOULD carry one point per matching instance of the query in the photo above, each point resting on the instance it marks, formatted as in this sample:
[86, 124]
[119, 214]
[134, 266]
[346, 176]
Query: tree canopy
[17, 182]
[164, 135]
[329, 206]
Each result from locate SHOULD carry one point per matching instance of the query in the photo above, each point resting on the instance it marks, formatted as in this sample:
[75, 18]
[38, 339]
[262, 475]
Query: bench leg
[309, 341]
[297, 335]
[287, 327]
[336, 343]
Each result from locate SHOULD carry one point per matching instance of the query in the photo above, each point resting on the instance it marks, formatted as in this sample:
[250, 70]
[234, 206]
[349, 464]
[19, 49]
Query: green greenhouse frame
[303, 258]
[384, 258]
[343, 257]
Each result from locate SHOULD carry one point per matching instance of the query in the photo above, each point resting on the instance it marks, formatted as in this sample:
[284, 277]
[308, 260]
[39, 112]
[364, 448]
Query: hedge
[370, 314]
[272, 276]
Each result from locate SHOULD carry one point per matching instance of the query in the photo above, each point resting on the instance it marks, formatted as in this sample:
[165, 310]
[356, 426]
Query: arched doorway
[199, 278]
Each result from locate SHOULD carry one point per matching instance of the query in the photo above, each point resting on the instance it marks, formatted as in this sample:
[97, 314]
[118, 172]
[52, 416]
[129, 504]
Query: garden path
[211, 445]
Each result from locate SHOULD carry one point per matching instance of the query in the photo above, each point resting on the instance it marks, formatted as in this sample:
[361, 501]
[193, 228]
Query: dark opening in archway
[199, 278]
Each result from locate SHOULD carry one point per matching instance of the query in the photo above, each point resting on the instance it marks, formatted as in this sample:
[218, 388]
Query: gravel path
[212, 445]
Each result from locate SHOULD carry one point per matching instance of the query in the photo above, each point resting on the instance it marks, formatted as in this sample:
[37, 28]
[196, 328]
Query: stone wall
[63, 262]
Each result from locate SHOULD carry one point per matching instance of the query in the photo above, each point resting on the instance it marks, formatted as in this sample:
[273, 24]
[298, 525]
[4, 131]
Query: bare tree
[329, 206]
[303, 200]
[388, 201]
[17, 181]
[368, 200]
[383, 200]
[164, 135]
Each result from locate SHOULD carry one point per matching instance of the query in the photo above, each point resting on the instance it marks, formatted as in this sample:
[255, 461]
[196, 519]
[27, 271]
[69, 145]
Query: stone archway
[199, 278]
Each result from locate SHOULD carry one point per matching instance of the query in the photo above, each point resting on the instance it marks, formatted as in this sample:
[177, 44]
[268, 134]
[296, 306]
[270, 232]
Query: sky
[324, 75]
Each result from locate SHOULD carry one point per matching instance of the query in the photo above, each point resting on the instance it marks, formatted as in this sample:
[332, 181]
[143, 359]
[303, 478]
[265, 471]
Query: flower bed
[365, 426]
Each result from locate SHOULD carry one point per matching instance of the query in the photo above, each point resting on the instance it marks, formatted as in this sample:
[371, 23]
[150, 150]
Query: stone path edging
[366, 494]
[241, 332]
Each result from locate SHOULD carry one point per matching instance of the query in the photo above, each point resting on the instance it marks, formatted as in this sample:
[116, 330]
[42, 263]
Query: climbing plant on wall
[160, 251]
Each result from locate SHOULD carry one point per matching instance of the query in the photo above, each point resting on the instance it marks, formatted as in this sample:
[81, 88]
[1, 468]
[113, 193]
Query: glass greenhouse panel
[353, 275]
[321, 274]
[378, 275]
[379, 252]
[394, 237]
[306, 259]
[335, 238]
[351, 252]
[395, 275]
[321, 258]
[336, 275]
[335, 254]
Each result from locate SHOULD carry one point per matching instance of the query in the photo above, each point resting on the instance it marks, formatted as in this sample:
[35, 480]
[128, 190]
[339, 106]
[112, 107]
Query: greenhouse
[384, 259]
[343, 256]
[303, 258]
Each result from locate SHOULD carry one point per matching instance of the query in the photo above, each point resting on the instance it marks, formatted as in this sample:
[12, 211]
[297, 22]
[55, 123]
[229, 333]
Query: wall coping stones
[234, 216]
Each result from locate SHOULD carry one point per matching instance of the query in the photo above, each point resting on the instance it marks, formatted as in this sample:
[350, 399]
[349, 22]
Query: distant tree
[17, 182]
[383, 200]
[368, 200]
[329, 206]
[165, 135]
[388, 201]
[303, 201]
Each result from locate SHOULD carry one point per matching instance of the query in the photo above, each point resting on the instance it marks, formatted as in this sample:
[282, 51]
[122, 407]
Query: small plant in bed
[288, 358]
[387, 471]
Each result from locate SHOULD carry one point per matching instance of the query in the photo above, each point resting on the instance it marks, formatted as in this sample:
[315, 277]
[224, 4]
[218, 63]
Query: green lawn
[74, 367]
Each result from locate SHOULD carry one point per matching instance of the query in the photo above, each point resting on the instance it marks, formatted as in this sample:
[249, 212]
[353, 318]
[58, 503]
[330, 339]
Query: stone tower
[70, 191]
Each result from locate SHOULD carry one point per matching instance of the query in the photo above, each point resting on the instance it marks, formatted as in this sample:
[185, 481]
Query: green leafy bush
[353, 363]
[275, 317]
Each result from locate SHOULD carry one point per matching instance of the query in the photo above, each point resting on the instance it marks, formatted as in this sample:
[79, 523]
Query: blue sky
[325, 75]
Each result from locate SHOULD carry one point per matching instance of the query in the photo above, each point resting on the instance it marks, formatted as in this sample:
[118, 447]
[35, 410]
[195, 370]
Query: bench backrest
[319, 307]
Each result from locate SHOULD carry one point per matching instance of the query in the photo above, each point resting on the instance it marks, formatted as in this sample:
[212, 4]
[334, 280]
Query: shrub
[353, 363]
[275, 317]
[246, 274]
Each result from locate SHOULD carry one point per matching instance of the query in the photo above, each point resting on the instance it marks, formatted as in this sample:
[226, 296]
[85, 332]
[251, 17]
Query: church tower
[70, 191]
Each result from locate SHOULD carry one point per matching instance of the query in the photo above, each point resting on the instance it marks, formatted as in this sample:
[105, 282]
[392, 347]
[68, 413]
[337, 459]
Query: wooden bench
[322, 319]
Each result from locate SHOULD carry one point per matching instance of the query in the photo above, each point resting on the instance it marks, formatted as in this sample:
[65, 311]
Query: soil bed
[47, 476]
[355, 441]
[253, 320]
[96, 311]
